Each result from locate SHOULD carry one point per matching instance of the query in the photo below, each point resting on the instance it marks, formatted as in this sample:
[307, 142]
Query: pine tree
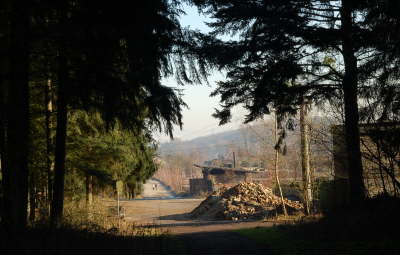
[100, 57]
[15, 112]
[290, 51]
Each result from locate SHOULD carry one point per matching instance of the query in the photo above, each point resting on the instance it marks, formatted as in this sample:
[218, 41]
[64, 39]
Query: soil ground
[160, 208]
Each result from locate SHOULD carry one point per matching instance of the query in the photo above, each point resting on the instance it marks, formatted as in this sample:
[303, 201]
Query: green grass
[370, 228]
[75, 241]
[299, 240]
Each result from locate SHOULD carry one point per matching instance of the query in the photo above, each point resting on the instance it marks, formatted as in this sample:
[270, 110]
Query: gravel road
[160, 207]
[154, 189]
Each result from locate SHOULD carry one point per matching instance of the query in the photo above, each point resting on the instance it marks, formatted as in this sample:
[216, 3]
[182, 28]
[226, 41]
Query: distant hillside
[249, 139]
[210, 146]
[253, 143]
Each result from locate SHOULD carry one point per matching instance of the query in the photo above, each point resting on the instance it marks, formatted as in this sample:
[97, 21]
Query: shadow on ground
[221, 242]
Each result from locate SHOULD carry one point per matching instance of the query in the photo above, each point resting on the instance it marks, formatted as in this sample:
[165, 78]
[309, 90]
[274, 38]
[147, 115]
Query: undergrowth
[371, 228]
[88, 230]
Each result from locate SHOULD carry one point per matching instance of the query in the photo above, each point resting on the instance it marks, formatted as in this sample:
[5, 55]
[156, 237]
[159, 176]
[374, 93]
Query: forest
[81, 97]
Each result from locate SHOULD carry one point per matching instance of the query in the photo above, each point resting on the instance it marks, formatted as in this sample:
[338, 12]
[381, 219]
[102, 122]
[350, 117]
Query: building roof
[212, 169]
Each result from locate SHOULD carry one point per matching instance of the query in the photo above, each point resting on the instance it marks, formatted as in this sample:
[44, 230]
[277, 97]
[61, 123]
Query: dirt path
[196, 236]
[160, 207]
[158, 211]
[219, 243]
[172, 215]
[153, 188]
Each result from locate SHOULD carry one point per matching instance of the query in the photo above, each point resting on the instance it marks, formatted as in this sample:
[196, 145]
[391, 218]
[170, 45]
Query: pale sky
[197, 119]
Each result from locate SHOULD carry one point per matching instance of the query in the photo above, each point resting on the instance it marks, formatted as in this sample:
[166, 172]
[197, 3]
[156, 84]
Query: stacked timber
[243, 201]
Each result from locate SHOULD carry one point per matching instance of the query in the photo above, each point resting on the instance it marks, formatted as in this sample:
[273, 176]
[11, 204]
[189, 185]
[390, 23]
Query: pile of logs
[243, 201]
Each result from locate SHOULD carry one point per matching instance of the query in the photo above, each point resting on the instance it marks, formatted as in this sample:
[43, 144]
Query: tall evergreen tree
[104, 57]
[290, 51]
[15, 112]
[117, 69]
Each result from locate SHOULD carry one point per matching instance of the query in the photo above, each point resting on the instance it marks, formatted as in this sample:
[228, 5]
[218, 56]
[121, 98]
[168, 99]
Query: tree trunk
[3, 137]
[350, 90]
[305, 159]
[4, 84]
[49, 162]
[15, 125]
[61, 135]
[89, 190]
[32, 197]
[276, 167]
[378, 146]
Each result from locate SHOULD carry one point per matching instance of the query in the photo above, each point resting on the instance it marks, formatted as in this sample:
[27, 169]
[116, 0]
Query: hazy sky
[197, 119]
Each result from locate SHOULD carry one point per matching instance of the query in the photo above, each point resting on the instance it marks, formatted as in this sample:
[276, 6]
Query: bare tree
[305, 158]
[276, 165]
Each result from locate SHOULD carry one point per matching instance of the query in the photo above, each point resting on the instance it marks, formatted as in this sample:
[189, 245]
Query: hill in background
[210, 146]
[256, 142]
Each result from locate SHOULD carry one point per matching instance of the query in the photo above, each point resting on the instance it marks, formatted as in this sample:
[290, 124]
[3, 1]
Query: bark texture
[49, 162]
[305, 159]
[57, 204]
[278, 183]
[350, 83]
[15, 119]
[89, 190]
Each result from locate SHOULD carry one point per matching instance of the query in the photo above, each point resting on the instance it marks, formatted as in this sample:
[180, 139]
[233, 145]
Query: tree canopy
[68, 57]
[288, 52]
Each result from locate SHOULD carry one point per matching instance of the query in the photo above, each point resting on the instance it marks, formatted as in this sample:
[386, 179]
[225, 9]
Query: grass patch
[74, 241]
[371, 228]
[293, 240]
[91, 230]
